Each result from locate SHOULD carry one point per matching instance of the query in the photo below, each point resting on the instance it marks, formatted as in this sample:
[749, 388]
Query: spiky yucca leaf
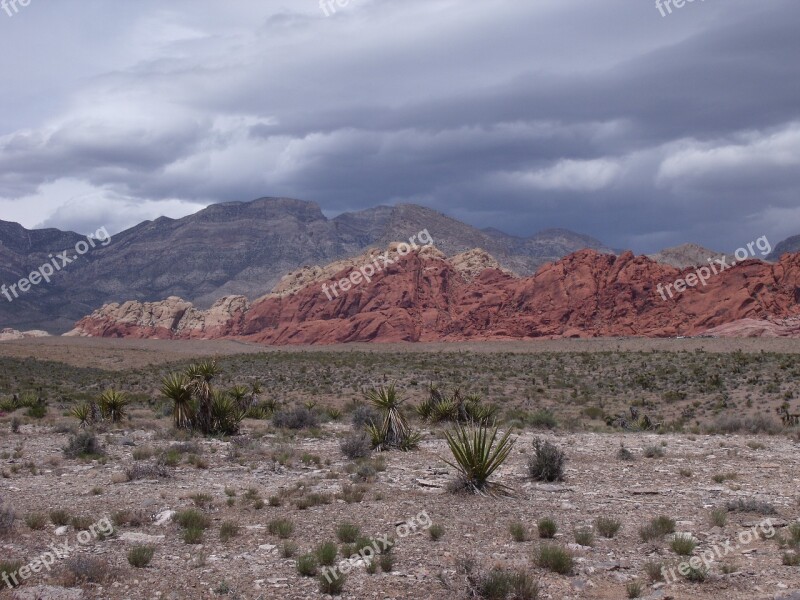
[478, 453]
[200, 376]
[112, 404]
[82, 412]
[394, 431]
[175, 387]
[225, 414]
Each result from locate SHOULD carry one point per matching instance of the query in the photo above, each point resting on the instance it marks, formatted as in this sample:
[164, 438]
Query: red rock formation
[424, 296]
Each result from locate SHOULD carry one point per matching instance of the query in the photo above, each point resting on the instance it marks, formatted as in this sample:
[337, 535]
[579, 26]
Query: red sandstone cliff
[425, 296]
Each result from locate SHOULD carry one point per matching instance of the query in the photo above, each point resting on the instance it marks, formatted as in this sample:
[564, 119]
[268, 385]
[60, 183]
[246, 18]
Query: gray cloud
[606, 118]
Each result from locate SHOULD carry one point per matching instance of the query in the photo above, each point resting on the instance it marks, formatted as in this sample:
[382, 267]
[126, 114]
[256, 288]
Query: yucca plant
[82, 412]
[446, 410]
[478, 453]
[239, 394]
[200, 376]
[175, 387]
[225, 414]
[112, 405]
[394, 431]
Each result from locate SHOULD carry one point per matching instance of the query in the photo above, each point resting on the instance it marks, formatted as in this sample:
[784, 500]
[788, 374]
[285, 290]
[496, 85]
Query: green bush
[307, 565]
[547, 462]
[555, 558]
[607, 527]
[140, 556]
[547, 528]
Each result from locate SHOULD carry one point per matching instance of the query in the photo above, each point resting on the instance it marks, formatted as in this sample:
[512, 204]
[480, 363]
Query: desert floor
[721, 456]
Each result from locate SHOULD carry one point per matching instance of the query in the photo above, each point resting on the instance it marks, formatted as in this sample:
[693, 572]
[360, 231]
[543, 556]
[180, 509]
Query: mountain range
[235, 248]
[427, 296]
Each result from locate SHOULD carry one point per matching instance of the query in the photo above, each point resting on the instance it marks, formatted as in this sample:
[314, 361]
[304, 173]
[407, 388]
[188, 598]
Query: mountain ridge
[233, 248]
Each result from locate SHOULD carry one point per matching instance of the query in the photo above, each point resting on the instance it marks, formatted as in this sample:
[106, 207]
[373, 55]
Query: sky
[642, 127]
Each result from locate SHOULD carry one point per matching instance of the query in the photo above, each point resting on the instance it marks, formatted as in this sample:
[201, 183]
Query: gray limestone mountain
[687, 255]
[231, 248]
[789, 245]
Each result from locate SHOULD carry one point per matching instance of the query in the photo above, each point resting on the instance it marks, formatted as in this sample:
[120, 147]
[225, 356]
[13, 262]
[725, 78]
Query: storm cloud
[603, 117]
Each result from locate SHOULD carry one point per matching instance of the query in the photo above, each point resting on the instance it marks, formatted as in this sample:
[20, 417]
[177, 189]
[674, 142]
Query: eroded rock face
[172, 318]
[9, 334]
[424, 296]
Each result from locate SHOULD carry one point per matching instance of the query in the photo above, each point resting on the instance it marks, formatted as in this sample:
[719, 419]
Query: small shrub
[7, 567]
[518, 532]
[365, 415]
[6, 518]
[283, 528]
[36, 521]
[541, 419]
[584, 536]
[696, 574]
[228, 530]
[86, 569]
[547, 528]
[140, 556]
[81, 522]
[193, 535]
[657, 528]
[791, 559]
[348, 533]
[607, 527]
[436, 532]
[307, 565]
[84, 445]
[332, 585]
[751, 505]
[60, 517]
[719, 517]
[624, 454]
[555, 558]
[387, 562]
[547, 462]
[654, 571]
[634, 589]
[140, 471]
[654, 452]
[142, 453]
[296, 418]
[500, 584]
[723, 477]
[192, 519]
[326, 553]
[356, 446]
[201, 500]
[288, 549]
[683, 544]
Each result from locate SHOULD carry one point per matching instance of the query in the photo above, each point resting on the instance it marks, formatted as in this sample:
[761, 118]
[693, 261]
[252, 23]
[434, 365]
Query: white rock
[163, 518]
[140, 538]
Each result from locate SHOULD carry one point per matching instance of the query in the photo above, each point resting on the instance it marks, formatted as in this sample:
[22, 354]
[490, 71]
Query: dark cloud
[606, 118]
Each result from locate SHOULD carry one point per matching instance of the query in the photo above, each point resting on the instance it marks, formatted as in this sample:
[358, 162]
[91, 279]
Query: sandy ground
[122, 354]
[250, 565]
